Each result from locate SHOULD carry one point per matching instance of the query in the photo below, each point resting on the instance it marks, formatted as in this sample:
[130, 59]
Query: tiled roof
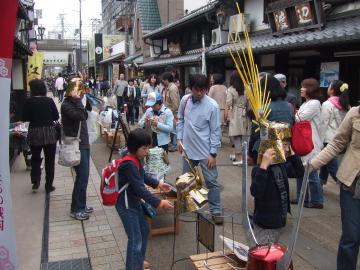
[335, 32]
[116, 57]
[188, 57]
[149, 15]
[195, 13]
[135, 58]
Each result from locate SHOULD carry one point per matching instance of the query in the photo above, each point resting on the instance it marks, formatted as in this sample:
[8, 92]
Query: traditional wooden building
[298, 38]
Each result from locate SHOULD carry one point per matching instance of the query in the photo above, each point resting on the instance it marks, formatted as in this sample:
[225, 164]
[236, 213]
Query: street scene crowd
[161, 113]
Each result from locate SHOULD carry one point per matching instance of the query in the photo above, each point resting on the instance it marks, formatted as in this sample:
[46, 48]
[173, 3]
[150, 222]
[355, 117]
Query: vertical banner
[7, 235]
[35, 66]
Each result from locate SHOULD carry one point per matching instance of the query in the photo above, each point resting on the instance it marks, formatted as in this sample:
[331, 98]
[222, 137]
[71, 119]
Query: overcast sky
[91, 9]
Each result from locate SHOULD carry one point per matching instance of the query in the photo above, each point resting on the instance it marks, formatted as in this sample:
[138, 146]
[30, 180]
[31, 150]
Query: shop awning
[188, 58]
[336, 32]
[20, 48]
[112, 58]
[137, 59]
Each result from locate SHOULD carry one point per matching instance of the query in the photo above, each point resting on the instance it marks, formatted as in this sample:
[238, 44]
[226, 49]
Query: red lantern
[266, 257]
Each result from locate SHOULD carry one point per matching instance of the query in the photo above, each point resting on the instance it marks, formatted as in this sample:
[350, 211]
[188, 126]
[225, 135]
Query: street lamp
[41, 30]
[220, 17]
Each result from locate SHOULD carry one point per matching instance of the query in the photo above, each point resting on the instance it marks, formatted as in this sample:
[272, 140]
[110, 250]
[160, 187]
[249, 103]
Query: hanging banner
[7, 235]
[35, 66]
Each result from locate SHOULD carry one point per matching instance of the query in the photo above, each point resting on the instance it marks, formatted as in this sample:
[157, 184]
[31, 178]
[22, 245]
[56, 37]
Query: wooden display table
[217, 261]
[168, 229]
[109, 138]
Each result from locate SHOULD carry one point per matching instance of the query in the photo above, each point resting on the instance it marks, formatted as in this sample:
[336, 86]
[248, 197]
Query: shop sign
[174, 49]
[287, 16]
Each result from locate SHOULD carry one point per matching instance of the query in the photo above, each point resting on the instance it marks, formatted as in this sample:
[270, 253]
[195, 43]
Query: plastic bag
[92, 126]
[107, 118]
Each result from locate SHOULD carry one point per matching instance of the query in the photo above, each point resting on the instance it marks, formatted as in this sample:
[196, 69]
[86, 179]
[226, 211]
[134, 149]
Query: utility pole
[128, 17]
[80, 32]
[62, 25]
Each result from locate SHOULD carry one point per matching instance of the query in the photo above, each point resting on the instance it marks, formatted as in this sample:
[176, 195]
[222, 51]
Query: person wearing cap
[290, 97]
[160, 119]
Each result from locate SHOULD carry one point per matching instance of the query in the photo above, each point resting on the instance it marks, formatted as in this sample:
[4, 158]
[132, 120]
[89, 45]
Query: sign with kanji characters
[35, 66]
[303, 14]
[287, 16]
[281, 20]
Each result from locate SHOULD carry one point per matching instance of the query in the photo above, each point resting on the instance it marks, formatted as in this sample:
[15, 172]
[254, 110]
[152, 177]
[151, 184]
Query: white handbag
[69, 152]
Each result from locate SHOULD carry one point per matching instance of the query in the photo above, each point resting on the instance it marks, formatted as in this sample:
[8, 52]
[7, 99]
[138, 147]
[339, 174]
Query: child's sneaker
[238, 163]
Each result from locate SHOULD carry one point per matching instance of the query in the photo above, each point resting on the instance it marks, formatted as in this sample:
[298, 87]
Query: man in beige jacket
[346, 138]
[171, 99]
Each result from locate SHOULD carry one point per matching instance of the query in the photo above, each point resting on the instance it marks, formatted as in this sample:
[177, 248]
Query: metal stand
[125, 130]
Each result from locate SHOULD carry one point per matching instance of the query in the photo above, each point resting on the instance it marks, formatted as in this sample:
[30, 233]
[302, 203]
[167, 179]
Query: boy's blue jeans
[211, 181]
[137, 230]
[350, 238]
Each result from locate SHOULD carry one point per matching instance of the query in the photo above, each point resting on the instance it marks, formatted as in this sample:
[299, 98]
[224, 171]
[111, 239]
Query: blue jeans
[78, 202]
[211, 181]
[316, 193]
[350, 239]
[332, 168]
[137, 230]
[173, 142]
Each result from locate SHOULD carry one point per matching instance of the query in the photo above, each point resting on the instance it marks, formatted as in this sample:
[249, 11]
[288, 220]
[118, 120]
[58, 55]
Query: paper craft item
[192, 196]
[273, 135]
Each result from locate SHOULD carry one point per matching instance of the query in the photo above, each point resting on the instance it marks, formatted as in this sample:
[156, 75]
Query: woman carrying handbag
[74, 115]
[41, 113]
[310, 111]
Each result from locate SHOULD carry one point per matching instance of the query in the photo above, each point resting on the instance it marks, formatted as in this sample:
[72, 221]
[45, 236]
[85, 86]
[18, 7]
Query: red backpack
[109, 186]
[301, 138]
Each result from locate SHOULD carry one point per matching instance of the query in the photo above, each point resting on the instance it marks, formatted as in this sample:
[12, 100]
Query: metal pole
[126, 45]
[81, 53]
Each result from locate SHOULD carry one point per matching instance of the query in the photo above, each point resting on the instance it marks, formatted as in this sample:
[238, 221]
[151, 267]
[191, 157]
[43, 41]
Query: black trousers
[130, 114]
[49, 153]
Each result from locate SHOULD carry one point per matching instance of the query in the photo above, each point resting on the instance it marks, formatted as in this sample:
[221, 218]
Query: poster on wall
[7, 234]
[108, 42]
[329, 71]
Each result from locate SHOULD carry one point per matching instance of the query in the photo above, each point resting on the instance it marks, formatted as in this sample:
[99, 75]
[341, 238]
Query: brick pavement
[100, 238]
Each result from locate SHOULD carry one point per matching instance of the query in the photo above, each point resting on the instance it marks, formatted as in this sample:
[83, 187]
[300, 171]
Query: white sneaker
[232, 157]
[238, 163]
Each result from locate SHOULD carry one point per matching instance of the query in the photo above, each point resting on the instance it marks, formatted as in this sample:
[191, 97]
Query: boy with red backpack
[131, 182]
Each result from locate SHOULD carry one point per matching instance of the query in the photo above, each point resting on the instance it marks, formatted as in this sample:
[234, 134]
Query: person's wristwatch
[213, 155]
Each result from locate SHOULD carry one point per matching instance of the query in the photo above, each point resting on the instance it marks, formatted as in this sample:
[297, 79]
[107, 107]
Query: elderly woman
[346, 138]
[74, 115]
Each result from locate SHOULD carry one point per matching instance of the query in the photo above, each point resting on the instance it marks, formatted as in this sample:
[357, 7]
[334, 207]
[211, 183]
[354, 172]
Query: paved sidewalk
[28, 209]
[95, 239]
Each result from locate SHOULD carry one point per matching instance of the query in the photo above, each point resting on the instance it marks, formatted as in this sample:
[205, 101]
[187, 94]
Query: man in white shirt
[59, 86]
[119, 91]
